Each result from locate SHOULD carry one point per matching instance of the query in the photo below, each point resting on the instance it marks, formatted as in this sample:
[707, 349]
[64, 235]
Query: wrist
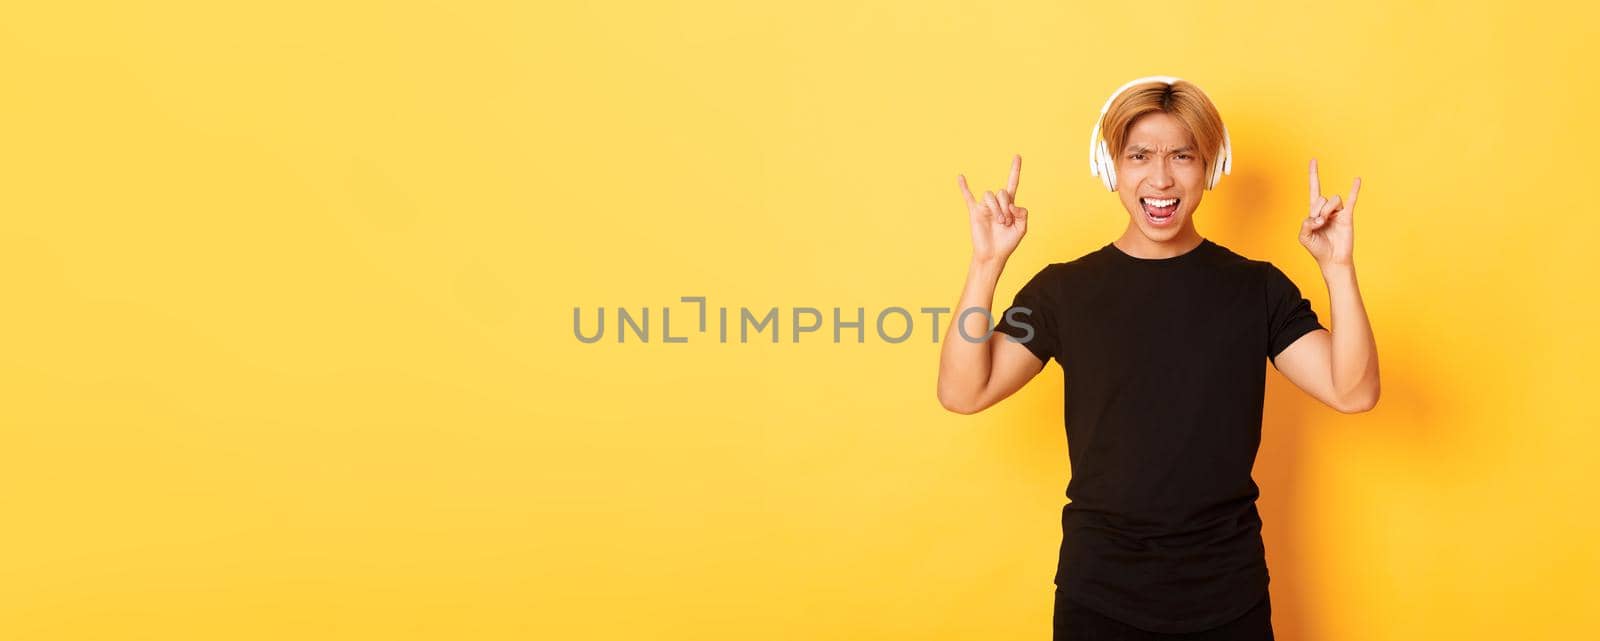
[1336, 267]
[1338, 273]
[988, 263]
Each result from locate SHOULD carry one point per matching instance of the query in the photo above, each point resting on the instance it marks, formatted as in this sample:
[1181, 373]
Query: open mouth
[1159, 211]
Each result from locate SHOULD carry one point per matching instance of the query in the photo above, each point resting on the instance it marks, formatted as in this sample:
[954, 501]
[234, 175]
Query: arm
[976, 374]
[1338, 366]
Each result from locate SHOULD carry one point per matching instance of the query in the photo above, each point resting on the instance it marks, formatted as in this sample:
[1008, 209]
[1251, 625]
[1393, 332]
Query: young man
[1161, 335]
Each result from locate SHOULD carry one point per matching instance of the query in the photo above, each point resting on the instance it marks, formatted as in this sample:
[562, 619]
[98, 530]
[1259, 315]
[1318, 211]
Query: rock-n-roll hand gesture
[1329, 231]
[998, 224]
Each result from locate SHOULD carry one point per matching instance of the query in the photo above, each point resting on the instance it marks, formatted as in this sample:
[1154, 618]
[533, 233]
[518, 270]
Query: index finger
[1316, 184]
[1016, 173]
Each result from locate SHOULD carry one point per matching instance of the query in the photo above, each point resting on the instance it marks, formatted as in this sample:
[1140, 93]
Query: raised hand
[998, 224]
[1329, 231]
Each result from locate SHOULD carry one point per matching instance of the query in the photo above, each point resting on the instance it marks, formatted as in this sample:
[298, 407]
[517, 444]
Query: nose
[1160, 176]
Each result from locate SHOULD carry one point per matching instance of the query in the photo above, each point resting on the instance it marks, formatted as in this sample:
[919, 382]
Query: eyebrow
[1137, 148]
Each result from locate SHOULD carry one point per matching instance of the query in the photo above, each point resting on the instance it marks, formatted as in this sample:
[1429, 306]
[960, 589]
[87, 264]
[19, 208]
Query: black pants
[1074, 622]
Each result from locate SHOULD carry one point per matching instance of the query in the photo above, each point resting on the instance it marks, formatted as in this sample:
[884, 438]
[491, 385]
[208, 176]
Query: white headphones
[1102, 164]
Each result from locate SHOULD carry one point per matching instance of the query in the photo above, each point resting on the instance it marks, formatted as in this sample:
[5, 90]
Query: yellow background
[288, 347]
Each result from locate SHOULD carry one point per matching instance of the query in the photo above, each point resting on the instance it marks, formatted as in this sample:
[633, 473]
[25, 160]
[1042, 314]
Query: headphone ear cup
[1224, 162]
[1099, 167]
[1227, 155]
[1099, 163]
[1094, 150]
[1108, 168]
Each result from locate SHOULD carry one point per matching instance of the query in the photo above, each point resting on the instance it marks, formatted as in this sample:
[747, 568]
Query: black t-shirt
[1165, 377]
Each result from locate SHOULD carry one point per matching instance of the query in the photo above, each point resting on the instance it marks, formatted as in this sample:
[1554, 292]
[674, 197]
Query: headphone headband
[1103, 165]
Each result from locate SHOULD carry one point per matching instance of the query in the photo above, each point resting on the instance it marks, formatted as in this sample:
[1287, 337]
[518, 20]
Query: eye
[1136, 156]
[1183, 156]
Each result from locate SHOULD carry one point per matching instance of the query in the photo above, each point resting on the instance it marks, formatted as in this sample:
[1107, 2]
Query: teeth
[1161, 203]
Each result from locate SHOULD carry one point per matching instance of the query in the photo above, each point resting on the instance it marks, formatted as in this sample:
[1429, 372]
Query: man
[1160, 335]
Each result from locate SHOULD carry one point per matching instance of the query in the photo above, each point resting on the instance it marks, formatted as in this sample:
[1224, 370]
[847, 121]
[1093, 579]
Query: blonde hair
[1183, 100]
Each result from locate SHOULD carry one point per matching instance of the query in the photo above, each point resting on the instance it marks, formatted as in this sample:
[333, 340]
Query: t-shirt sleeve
[1289, 314]
[1031, 317]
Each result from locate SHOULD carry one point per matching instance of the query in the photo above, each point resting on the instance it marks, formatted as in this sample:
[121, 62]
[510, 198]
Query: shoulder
[1273, 281]
[1088, 263]
[1227, 258]
[1048, 282]
[1059, 278]
[1263, 273]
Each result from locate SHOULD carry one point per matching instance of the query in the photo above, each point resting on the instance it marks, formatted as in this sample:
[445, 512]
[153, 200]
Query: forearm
[964, 364]
[1355, 353]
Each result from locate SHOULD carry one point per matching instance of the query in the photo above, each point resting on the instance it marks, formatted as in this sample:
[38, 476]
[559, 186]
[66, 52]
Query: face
[1160, 163]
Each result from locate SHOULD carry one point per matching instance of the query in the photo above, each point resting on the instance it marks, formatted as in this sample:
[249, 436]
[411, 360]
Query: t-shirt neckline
[1124, 256]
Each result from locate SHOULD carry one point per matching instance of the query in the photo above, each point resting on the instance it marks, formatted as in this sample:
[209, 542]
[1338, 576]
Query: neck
[1133, 242]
